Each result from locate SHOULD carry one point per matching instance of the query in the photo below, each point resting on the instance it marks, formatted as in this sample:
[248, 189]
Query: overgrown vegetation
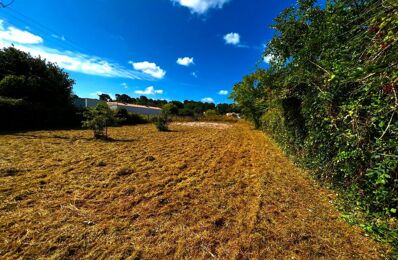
[98, 119]
[34, 93]
[162, 121]
[123, 117]
[330, 97]
[187, 108]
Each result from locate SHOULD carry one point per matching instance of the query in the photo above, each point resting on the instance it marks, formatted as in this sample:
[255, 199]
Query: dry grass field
[196, 192]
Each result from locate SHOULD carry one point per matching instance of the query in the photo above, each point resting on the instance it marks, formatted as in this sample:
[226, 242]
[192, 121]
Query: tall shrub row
[330, 96]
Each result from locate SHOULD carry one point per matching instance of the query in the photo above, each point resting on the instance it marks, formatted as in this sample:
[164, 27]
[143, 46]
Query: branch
[392, 116]
[320, 67]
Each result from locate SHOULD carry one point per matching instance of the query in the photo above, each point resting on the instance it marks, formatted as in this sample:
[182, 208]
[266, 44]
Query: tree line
[187, 108]
[37, 94]
[329, 96]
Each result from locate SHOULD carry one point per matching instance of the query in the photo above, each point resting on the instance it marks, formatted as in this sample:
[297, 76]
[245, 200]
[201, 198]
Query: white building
[138, 109]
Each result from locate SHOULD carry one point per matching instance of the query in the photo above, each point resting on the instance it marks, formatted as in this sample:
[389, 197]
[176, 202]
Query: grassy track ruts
[196, 192]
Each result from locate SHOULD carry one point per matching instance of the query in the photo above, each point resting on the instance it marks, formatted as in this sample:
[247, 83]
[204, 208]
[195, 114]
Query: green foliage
[330, 97]
[42, 90]
[162, 122]
[170, 108]
[105, 97]
[248, 95]
[98, 119]
[188, 108]
[122, 117]
[211, 112]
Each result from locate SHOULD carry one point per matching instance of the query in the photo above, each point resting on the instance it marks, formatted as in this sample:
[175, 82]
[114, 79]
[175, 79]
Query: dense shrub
[330, 97]
[162, 122]
[98, 119]
[123, 117]
[33, 93]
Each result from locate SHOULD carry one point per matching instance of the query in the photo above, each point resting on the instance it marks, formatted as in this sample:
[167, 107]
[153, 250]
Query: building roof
[131, 105]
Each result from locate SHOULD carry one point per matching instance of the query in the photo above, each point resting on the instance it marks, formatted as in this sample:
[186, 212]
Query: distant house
[138, 109]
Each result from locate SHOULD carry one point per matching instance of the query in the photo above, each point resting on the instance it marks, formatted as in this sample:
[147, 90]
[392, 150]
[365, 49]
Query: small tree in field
[98, 119]
[162, 121]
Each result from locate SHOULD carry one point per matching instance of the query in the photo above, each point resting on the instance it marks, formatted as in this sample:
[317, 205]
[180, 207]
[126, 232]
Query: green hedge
[329, 97]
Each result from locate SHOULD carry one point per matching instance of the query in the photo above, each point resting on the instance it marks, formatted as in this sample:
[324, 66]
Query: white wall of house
[91, 102]
[137, 109]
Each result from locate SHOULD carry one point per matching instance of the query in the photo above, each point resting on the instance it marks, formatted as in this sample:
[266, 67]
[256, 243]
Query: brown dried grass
[194, 192]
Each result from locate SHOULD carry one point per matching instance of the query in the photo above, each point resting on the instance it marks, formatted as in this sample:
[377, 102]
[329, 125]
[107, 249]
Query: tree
[98, 119]
[248, 95]
[123, 98]
[170, 108]
[121, 115]
[211, 112]
[162, 121]
[45, 92]
[104, 97]
[330, 96]
[143, 100]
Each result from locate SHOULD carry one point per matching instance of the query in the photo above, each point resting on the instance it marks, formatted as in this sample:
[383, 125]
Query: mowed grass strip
[195, 192]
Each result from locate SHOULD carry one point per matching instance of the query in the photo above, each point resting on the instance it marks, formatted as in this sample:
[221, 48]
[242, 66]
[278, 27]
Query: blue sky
[163, 49]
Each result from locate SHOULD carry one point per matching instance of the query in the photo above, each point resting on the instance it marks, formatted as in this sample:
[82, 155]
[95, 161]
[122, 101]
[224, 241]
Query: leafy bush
[330, 96]
[210, 113]
[122, 117]
[162, 122]
[98, 119]
[33, 93]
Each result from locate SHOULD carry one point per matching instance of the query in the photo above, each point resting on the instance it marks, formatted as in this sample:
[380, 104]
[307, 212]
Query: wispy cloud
[207, 100]
[186, 61]
[69, 60]
[201, 6]
[223, 92]
[59, 37]
[149, 91]
[124, 84]
[194, 74]
[149, 68]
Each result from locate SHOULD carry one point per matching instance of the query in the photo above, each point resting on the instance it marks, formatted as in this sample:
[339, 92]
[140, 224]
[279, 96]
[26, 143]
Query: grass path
[196, 192]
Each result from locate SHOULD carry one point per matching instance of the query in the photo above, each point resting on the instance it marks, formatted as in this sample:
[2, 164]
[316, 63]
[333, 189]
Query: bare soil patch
[195, 192]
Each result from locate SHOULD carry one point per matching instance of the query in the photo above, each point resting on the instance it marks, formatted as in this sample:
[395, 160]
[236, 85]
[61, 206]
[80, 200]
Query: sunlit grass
[198, 191]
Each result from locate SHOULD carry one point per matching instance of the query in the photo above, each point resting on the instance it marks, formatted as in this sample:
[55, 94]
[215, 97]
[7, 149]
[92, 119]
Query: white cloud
[82, 63]
[223, 92]
[268, 58]
[149, 91]
[201, 6]
[194, 74]
[124, 84]
[69, 60]
[15, 35]
[232, 38]
[207, 100]
[149, 68]
[186, 61]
